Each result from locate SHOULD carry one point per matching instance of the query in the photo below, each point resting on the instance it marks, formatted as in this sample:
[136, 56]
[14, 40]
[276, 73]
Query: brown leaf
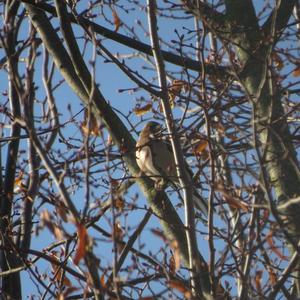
[82, 243]
[175, 89]
[272, 276]
[67, 282]
[118, 235]
[93, 127]
[273, 247]
[258, 276]
[180, 287]
[219, 126]
[231, 199]
[114, 184]
[45, 216]
[176, 254]
[60, 296]
[296, 72]
[201, 147]
[118, 231]
[233, 137]
[19, 183]
[119, 203]
[117, 21]
[172, 265]
[102, 281]
[277, 61]
[109, 141]
[139, 111]
[47, 220]
[58, 233]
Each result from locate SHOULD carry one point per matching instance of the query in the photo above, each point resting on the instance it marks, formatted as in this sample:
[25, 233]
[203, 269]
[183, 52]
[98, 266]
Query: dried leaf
[118, 235]
[117, 21]
[176, 88]
[172, 265]
[58, 233]
[118, 231]
[45, 216]
[296, 72]
[201, 147]
[220, 127]
[277, 61]
[109, 141]
[176, 254]
[82, 243]
[231, 199]
[273, 247]
[47, 220]
[258, 276]
[233, 137]
[102, 281]
[139, 111]
[236, 203]
[93, 127]
[18, 180]
[119, 203]
[180, 287]
[19, 184]
[114, 184]
[60, 297]
[272, 276]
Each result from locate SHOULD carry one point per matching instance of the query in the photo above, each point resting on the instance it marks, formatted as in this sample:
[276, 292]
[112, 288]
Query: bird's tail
[200, 203]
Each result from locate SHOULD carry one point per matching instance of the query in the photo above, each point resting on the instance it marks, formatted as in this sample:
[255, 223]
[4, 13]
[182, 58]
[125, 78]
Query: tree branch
[283, 14]
[178, 60]
[158, 201]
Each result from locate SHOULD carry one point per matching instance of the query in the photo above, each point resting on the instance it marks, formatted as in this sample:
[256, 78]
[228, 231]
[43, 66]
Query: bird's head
[153, 130]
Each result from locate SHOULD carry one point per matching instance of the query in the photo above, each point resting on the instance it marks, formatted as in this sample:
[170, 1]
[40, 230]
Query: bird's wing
[200, 203]
[144, 160]
[155, 158]
[163, 159]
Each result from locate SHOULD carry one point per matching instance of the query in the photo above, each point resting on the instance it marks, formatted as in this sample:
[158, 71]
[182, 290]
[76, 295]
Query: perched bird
[155, 158]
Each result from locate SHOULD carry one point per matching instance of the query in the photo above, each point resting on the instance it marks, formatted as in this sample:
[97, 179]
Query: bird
[155, 159]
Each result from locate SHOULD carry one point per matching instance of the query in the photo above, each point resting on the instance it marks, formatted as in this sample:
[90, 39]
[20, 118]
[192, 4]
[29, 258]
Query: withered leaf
[116, 19]
[82, 243]
[139, 111]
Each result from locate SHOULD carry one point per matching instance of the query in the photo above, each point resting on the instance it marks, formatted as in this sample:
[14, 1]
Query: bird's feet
[160, 184]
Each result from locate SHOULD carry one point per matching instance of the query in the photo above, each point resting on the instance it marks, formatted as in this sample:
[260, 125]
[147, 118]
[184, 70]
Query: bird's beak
[159, 131]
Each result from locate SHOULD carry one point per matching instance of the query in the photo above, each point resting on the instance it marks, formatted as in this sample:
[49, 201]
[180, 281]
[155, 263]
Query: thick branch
[283, 15]
[158, 201]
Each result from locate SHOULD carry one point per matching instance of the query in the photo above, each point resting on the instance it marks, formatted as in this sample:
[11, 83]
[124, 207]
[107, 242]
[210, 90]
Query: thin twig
[178, 156]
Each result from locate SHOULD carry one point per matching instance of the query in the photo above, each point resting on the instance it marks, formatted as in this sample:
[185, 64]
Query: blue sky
[110, 80]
